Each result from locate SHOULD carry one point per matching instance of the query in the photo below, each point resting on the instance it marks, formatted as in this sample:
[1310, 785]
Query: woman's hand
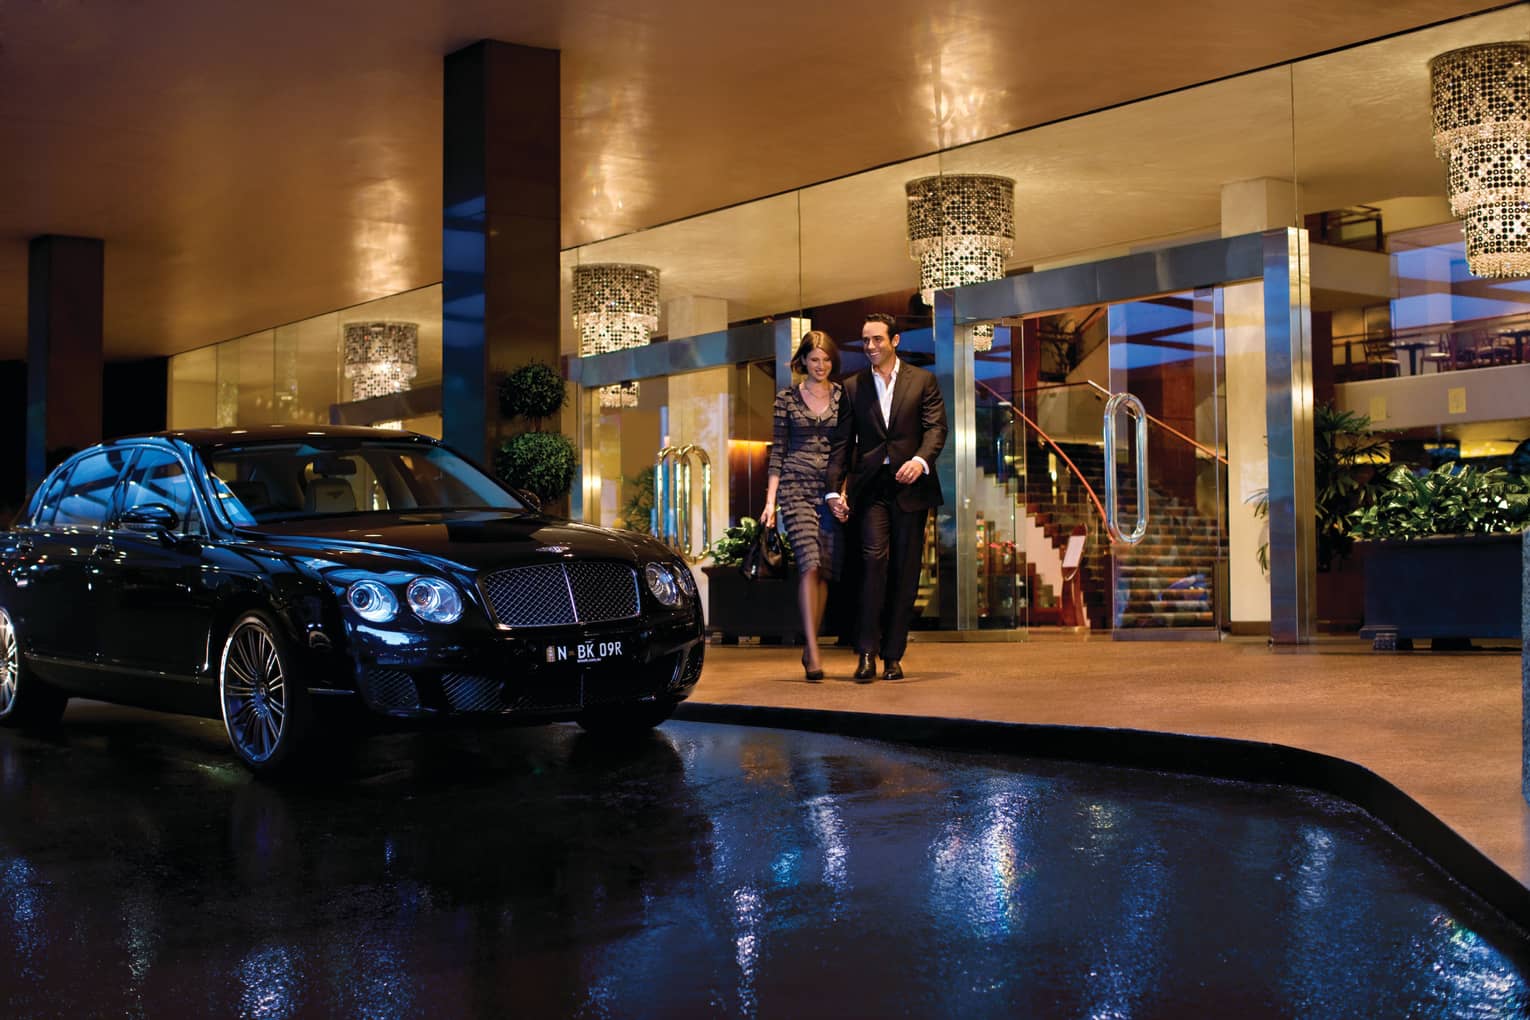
[768, 516]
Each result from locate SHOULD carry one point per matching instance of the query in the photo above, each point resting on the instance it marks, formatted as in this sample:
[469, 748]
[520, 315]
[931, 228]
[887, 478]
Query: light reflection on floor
[708, 870]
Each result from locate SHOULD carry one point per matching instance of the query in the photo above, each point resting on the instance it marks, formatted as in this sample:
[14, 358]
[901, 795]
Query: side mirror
[533, 503]
[151, 517]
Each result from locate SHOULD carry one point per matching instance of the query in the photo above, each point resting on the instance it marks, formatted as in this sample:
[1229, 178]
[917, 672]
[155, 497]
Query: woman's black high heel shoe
[814, 676]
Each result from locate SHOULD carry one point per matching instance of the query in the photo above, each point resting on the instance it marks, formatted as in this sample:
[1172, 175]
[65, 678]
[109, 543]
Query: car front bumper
[534, 673]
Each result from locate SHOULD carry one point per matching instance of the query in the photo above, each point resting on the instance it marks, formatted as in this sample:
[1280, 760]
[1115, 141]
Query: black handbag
[765, 559]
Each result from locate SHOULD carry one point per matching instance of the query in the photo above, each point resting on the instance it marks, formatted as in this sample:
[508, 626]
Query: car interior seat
[329, 496]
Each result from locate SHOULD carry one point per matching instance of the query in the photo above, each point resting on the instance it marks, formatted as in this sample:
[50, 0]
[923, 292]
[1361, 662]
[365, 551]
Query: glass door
[1168, 557]
[1067, 537]
[1221, 418]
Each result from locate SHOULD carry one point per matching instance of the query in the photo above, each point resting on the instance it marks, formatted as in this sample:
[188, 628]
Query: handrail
[1104, 520]
[1160, 423]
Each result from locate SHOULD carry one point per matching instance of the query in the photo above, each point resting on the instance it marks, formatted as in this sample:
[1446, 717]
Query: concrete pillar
[1247, 207]
[65, 277]
[501, 221]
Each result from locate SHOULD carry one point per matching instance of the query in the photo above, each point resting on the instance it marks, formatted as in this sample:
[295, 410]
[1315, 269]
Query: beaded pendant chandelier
[1481, 113]
[381, 357]
[961, 229]
[616, 306]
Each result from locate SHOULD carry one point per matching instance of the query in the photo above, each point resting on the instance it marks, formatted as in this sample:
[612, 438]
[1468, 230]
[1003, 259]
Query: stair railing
[1202, 447]
[1018, 415]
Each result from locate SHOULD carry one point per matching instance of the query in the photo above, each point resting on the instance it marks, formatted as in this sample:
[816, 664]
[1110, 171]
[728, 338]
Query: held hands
[840, 508]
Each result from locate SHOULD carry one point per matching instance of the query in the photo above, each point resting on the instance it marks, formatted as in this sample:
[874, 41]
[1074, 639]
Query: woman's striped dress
[800, 456]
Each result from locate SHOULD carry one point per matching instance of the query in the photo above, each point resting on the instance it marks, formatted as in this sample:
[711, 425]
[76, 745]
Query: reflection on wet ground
[703, 871]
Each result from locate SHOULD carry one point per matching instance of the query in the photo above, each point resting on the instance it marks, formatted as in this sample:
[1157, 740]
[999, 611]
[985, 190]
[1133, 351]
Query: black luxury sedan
[274, 577]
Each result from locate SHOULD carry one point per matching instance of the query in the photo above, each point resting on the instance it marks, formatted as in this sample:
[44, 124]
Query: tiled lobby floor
[1444, 727]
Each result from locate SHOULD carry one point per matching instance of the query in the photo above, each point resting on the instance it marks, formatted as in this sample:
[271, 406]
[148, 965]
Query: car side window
[48, 505]
[87, 499]
[158, 477]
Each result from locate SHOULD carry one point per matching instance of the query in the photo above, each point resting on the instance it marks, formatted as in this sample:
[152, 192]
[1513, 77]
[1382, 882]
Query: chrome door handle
[1139, 414]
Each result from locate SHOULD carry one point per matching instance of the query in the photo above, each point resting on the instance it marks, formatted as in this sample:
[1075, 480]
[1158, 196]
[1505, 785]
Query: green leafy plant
[542, 463]
[1453, 499]
[636, 513]
[1344, 456]
[534, 391]
[729, 550]
[1345, 453]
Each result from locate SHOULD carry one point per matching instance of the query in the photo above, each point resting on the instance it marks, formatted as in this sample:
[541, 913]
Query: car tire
[617, 720]
[265, 708]
[25, 700]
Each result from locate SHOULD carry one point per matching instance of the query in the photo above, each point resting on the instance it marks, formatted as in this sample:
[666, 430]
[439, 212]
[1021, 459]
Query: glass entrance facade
[1071, 257]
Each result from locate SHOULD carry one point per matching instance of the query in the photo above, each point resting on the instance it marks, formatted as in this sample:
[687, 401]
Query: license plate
[584, 652]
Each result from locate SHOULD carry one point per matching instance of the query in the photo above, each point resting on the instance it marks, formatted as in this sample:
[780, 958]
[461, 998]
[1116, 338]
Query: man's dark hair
[886, 320]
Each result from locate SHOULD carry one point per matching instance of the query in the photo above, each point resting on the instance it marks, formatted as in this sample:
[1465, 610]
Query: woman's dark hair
[818, 339]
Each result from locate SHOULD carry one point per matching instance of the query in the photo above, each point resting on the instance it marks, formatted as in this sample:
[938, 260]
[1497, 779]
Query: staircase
[1166, 580]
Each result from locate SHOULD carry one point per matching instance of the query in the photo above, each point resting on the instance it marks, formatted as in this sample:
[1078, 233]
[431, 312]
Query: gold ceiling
[252, 164]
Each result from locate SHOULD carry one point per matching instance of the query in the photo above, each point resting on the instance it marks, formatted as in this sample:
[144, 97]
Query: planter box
[738, 607]
[1339, 594]
[1450, 588]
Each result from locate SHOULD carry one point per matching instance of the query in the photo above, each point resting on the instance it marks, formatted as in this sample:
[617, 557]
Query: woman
[805, 419]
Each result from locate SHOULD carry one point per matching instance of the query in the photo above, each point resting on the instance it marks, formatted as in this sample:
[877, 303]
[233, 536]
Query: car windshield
[261, 482]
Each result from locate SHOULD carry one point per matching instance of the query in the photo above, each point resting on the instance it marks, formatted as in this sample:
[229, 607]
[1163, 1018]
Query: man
[882, 457]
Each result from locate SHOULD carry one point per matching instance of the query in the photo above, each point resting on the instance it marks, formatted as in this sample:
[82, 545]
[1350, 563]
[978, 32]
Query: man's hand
[840, 508]
[910, 472]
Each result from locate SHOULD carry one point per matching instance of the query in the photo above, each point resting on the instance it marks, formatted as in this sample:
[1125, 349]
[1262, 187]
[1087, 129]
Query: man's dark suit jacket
[863, 440]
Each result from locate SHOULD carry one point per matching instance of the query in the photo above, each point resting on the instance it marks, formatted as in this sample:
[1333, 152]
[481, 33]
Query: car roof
[276, 433]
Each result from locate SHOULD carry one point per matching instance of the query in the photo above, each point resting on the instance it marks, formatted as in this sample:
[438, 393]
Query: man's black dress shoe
[866, 669]
[894, 670]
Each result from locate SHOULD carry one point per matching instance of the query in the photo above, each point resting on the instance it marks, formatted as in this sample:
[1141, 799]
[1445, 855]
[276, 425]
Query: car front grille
[389, 689]
[467, 693]
[557, 594]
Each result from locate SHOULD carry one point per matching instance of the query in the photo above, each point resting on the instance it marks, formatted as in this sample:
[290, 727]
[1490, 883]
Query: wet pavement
[705, 870]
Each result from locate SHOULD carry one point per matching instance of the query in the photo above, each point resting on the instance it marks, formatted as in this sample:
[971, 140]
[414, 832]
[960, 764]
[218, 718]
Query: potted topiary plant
[738, 607]
[540, 463]
[1444, 556]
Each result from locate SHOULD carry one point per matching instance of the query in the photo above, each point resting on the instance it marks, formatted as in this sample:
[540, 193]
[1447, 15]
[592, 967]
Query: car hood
[472, 539]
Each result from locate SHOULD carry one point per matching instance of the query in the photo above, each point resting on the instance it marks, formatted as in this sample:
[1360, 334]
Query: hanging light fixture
[1481, 113]
[381, 358]
[616, 306]
[961, 229]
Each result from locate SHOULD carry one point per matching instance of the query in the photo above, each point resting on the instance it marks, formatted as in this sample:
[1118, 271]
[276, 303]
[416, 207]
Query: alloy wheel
[10, 663]
[254, 689]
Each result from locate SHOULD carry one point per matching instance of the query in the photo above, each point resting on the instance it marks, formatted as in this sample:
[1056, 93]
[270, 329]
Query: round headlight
[684, 579]
[373, 601]
[662, 583]
[434, 600]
